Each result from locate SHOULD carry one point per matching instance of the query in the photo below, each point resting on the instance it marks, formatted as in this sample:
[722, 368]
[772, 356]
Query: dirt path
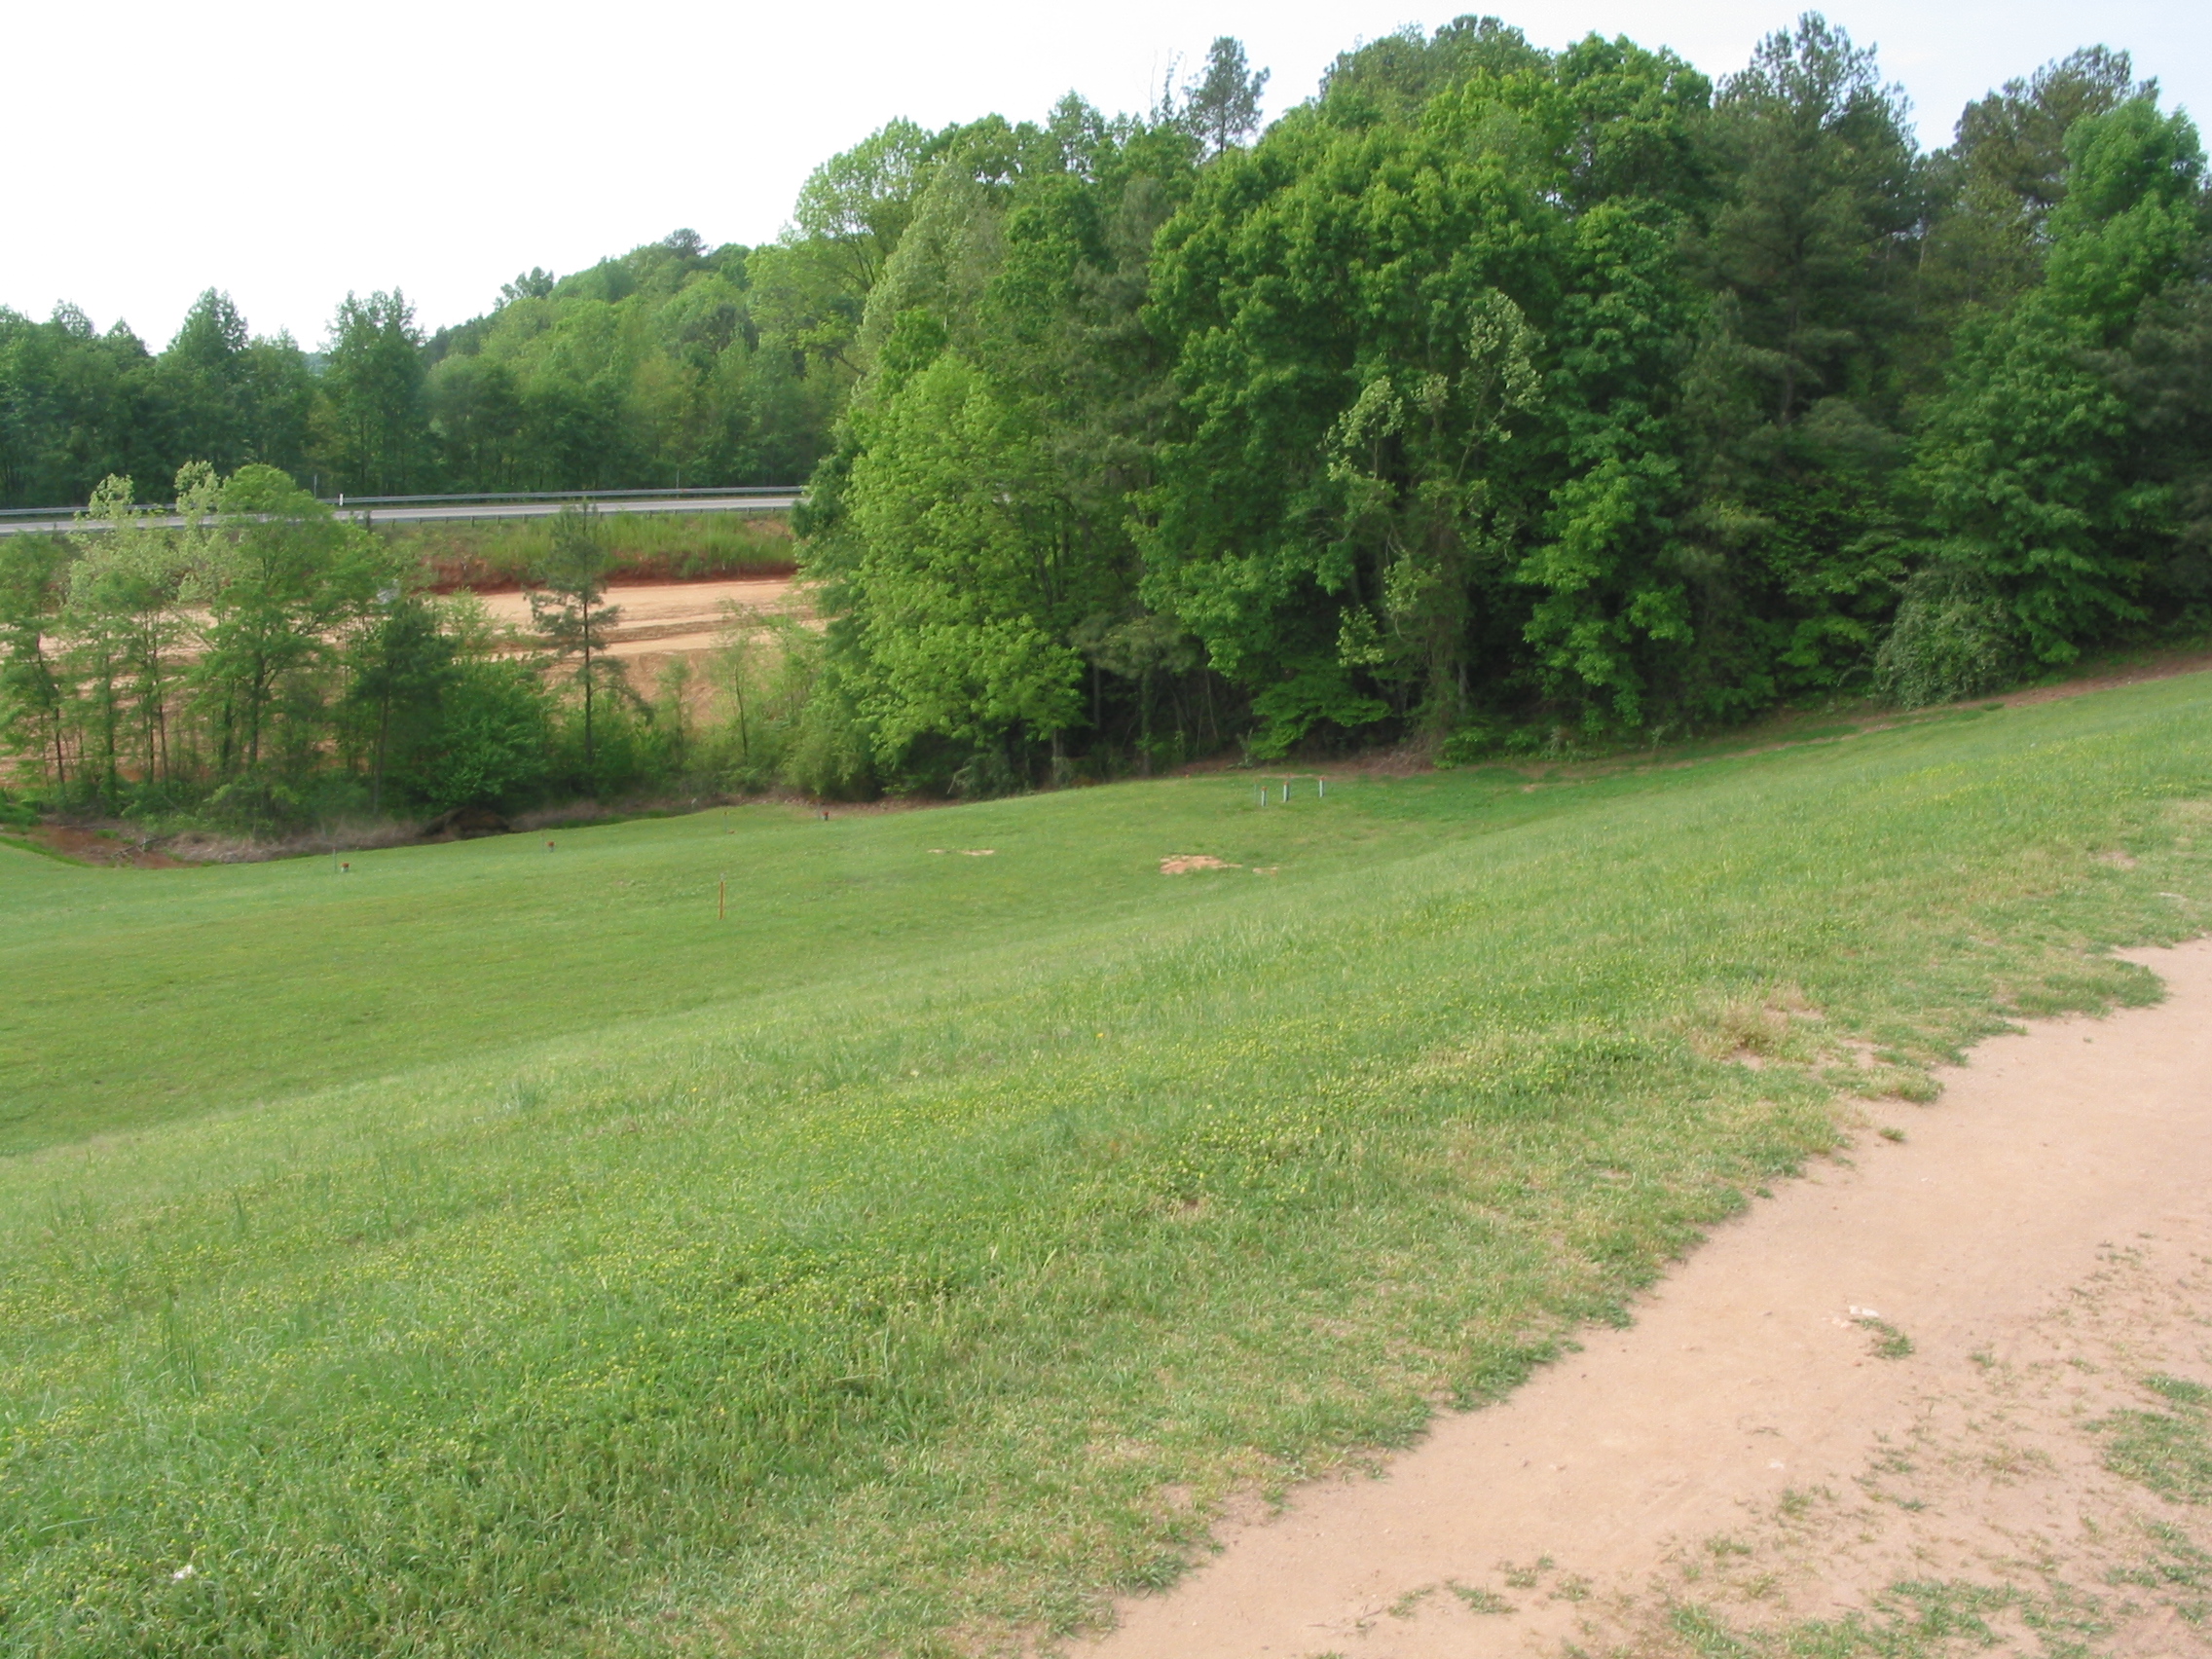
[1744, 1454]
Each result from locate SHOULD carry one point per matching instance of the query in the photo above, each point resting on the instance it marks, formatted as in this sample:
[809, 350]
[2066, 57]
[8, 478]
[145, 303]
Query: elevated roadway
[465, 509]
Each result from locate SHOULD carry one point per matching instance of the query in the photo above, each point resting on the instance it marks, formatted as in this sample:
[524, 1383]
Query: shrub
[829, 753]
[256, 804]
[1953, 637]
[494, 735]
[1475, 739]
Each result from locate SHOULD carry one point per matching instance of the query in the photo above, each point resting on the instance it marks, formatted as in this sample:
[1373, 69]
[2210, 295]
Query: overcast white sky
[290, 152]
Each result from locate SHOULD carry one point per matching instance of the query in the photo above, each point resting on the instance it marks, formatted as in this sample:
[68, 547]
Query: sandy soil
[2043, 1236]
[665, 618]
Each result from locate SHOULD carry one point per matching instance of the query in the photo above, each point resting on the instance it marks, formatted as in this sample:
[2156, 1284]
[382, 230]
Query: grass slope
[489, 1252]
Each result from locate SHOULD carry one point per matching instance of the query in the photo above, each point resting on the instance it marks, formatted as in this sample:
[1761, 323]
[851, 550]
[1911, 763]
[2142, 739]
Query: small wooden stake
[721, 899]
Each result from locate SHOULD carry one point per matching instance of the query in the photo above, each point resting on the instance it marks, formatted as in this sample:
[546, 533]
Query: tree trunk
[1144, 722]
[384, 737]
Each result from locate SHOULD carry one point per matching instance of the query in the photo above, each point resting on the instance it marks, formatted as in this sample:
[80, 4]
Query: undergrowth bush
[1952, 639]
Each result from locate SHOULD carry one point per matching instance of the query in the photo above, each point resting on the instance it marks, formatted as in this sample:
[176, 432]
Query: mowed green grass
[138, 995]
[489, 1252]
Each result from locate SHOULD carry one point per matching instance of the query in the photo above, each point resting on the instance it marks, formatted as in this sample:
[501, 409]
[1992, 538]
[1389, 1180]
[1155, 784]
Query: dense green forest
[1522, 398]
[1491, 398]
[651, 370]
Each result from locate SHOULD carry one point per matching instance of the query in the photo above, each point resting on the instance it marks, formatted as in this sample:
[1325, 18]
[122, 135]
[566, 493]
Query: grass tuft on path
[490, 1252]
[2168, 1452]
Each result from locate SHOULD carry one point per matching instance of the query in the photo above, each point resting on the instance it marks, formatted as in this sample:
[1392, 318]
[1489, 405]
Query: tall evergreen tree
[1221, 104]
[570, 609]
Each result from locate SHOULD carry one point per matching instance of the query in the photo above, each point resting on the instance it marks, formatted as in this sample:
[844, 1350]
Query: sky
[289, 152]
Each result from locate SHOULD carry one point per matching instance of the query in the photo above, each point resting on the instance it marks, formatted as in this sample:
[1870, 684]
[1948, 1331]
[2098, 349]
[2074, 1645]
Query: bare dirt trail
[2043, 1236]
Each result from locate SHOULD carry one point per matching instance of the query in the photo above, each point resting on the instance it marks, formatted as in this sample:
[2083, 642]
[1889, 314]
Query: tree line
[1493, 399]
[1504, 399]
[674, 364]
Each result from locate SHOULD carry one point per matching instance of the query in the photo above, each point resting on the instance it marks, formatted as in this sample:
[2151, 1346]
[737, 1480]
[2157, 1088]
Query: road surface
[466, 512]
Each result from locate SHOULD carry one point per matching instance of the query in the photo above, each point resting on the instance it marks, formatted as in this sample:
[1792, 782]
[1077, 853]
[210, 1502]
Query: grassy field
[490, 1251]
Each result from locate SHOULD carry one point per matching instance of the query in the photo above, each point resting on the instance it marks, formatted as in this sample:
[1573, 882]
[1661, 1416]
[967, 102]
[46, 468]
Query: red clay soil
[774, 570]
[1904, 1369]
[94, 847]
